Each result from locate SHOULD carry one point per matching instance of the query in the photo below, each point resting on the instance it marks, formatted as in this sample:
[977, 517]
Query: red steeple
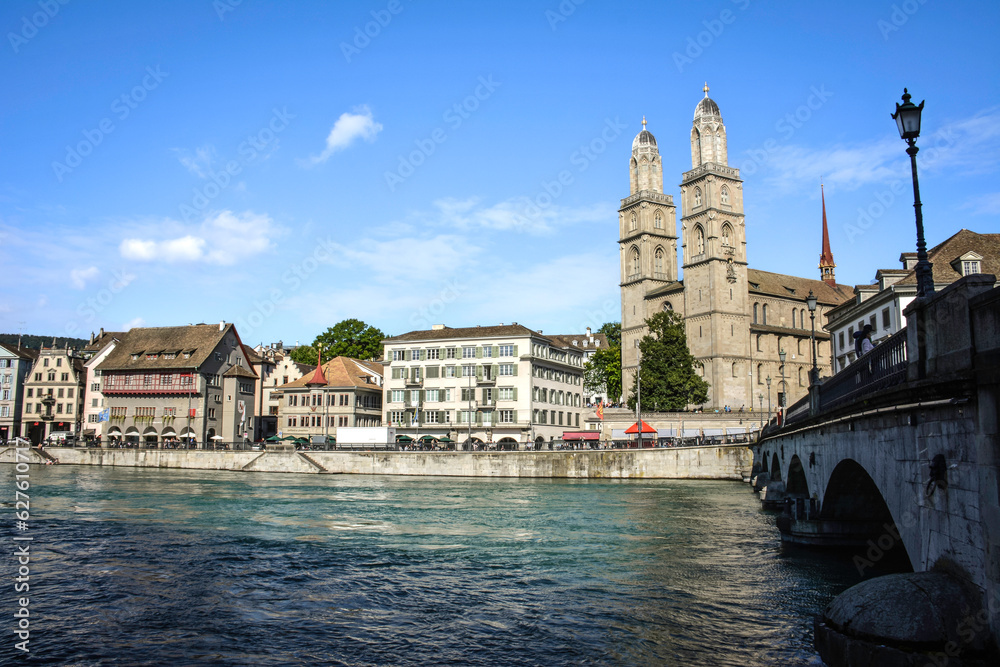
[317, 376]
[826, 264]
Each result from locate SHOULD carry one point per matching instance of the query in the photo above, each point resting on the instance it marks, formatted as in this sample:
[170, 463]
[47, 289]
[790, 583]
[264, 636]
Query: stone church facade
[737, 319]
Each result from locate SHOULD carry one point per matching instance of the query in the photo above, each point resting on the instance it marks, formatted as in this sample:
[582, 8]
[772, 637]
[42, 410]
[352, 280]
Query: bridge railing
[883, 367]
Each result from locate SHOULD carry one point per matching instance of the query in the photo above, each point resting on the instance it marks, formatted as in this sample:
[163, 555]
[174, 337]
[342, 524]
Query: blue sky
[271, 164]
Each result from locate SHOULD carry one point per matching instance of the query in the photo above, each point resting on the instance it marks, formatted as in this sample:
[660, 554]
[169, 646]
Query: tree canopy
[667, 376]
[349, 338]
[603, 371]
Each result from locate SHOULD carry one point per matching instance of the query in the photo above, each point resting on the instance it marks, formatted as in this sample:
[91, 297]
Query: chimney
[222, 325]
[588, 332]
[437, 327]
[91, 337]
[102, 331]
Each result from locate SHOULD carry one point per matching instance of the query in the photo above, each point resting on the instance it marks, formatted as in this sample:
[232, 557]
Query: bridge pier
[900, 453]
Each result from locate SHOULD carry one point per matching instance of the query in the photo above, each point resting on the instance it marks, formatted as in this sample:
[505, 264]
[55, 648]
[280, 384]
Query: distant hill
[38, 342]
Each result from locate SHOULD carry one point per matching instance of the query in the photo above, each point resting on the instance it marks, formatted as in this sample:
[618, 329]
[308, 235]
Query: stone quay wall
[714, 462]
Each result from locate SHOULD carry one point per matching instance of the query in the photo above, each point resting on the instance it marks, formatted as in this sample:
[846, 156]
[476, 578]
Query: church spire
[826, 264]
[317, 376]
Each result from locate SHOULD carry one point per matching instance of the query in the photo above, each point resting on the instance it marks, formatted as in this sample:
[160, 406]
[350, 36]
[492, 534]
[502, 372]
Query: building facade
[881, 304]
[589, 343]
[179, 383]
[15, 366]
[53, 395]
[341, 392]
[507, 385]
[738, 320]
[94, 403]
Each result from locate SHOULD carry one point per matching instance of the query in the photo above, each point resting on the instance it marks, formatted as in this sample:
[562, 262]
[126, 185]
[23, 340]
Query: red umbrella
[634, 428]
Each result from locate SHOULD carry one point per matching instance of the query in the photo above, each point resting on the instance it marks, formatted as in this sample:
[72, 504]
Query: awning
[646, 428]
[169, 433]
[88, 431]
[445, 439]
[274, 438]
[426, 438]
[403, 438]
[581, 435]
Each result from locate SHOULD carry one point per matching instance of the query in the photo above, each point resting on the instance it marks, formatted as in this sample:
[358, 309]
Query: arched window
[758, 342]
[658, 260]
[802, 318]
[718, 147]
[658, 220]
[697, 197]
[760, 373]
[724, 195]
[632, 223]
[727, 235]
[764, 314]
[755, 309]
[697, 146]
[667, 306]
[635, 261]
[735, 370]
[699, 240]
[801, 376]
[793, 318]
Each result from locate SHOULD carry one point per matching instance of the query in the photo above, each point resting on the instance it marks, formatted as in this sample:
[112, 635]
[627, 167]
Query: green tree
[350, 338]
[603, 371]
[667, 375]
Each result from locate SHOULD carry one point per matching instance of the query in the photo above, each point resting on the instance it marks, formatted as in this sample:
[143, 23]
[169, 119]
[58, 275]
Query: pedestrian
[863, 341]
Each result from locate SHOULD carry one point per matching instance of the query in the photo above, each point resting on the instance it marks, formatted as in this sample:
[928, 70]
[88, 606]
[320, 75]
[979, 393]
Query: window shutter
[515, 396]
[479, 418]
[515, 350]
[440, 416]
[514, 412]
[479, 372]
[479, 352]
[495, 371]
[406, 355]
[423, 355]
[515, 370]
[496, 351]
[395, 373]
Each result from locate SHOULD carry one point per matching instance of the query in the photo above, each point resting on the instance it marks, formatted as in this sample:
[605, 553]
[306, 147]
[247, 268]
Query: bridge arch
[775, 467]
[796, 484]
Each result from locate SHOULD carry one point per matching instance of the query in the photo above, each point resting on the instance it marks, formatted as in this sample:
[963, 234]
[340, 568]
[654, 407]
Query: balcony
[484, 379]
[414, 382]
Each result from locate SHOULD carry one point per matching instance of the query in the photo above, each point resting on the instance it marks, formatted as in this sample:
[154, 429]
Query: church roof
[669, 288]
[342, 372]
[793, 287]
[707, 106]
[644, 138]
[826, 257]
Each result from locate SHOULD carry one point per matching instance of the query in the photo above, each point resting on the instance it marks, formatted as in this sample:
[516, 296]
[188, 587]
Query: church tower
[647, 239]
[826, 265]
[715, 263]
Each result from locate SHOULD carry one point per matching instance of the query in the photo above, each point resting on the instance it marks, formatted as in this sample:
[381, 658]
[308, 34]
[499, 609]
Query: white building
[94, 402]
[15, 365]
[589, 343]
[881, 305]
[507, 385]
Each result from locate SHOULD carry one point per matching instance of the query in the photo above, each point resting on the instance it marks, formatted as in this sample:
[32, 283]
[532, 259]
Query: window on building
[658, 260]
[724, 195]
[885, 318]
[697, 197]
[505, 393]
[468, 352]
[873, 321]
[506, 350]
[969, 267]
[632, 223]
[487, 352]
[763, 314]
[699, 240]
[760, 373]
[735, 370]
[793, 318]
[755, 311]
[449, 371]
[658, 221]
[434, 354]
[636, 262]
[506, 369]
[45, 362]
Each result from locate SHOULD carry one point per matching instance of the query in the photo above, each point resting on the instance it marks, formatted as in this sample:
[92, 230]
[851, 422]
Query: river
[134, 566]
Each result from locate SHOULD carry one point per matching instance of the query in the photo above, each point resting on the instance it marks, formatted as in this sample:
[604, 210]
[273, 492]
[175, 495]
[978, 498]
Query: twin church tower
[737, 319]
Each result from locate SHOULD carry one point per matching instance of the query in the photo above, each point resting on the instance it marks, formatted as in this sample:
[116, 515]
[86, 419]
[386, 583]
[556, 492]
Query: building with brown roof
[589, 343]
[53, 395]
[15, 367]
[179, 383]
[738, 320]
[341, 392]
[881, 304]
[506, 385]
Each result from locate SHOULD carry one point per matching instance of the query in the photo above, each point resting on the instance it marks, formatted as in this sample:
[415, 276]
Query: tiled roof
[341, 372]
[102, 340]
[23, 352]
[240, 371]
[509, 330]
[669, 288]
[943, 254]
[199, 340]
[595, 341]
[793, 287]
[786, 331]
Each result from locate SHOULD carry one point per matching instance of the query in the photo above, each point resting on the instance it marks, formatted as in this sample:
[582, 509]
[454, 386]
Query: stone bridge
[896, 458]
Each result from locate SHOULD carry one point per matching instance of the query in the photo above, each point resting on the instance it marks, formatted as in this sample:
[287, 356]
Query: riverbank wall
[711, 462]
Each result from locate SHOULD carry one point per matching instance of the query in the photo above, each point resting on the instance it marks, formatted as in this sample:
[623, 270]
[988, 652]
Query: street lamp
[814, 371]
[768, 380]
[907, 119]
[760, 404]
[783, 386]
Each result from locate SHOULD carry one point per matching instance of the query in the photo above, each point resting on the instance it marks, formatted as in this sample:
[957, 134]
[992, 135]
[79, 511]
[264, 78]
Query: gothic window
[727, 235]
[697, 146]
[697, 197]
[658, 260]
[635, 261]
[658, 221]
[667, 306]
[735, 372]
[699, 239]
[718, 147]
[632, 222]
[764, 314]
[724, 195]
[755, 309]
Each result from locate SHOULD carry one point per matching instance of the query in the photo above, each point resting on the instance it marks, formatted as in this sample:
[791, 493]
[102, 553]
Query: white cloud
[519, 214]
[349, 126]
[971, 144]
[222, 239]
[133, 323]
[79, 277]
[198, 162]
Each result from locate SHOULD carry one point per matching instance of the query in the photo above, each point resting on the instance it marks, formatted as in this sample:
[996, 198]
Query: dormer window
[968, 264]
[135, 356]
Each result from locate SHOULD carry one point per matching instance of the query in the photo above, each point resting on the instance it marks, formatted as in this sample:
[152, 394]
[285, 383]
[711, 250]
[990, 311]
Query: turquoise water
[178, 567]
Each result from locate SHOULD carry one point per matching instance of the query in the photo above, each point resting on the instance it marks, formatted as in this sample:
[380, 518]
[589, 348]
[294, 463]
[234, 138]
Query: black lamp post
[814, 371]
[784, 388]
[768, 380]
[907, 119]
[760, 404]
